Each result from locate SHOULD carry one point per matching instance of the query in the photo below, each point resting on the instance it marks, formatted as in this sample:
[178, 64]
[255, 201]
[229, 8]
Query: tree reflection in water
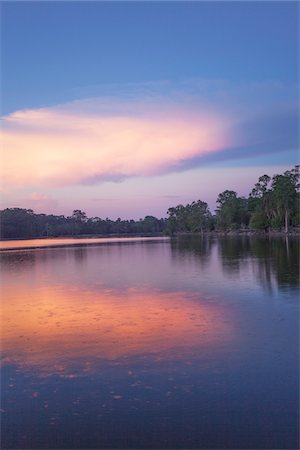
[273, 260]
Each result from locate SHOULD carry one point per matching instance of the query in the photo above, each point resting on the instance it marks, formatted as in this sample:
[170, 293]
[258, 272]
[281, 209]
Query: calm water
[157, 343]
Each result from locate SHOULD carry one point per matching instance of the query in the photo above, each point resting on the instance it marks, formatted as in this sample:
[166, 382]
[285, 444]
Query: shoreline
[295, 232]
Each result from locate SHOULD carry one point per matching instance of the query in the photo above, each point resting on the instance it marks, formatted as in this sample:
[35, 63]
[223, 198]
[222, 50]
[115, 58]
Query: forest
[272, 205]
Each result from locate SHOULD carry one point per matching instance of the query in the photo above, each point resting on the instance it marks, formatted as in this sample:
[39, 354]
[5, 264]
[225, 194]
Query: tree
[178, 219]
[232, 210]
[199, 216]
[275, 204]
[284, 194]
[261, 187]
[192, 217]
[151, 224]
[79, 215]
[172, 221]
[18, 223]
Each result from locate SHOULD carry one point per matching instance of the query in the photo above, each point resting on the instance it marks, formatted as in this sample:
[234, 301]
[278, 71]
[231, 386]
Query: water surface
[156, 343]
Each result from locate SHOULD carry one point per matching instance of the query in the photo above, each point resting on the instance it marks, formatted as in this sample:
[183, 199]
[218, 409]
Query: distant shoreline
[292, 232]
[232, 233]
[86, 236]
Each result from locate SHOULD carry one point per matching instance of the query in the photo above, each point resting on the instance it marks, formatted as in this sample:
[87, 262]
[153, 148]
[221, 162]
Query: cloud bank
[112, 138]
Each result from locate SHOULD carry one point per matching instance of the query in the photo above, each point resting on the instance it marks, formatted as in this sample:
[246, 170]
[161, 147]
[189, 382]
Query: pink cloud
[37, 197]
[37, 201]
[70, 144]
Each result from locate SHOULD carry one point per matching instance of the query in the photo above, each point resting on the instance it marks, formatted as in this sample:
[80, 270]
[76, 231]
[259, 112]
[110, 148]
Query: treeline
[24, 223]
[273, 204]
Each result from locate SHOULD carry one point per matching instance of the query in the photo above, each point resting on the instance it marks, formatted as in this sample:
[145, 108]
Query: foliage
[194, 217]
[259, 220]
[23, 223]
[232, 211]
[274, 203]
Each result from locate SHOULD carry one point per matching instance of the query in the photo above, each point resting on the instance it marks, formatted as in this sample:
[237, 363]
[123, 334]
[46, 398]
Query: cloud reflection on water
[53, 330]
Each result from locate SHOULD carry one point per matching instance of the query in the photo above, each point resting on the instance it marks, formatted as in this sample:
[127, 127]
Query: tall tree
[199, 216]
[232, 210]
[192, 217]
[284, 194]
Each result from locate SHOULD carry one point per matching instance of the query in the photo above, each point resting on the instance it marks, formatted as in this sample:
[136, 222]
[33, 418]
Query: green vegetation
[273, 204]
[195, 217]
[23, 223]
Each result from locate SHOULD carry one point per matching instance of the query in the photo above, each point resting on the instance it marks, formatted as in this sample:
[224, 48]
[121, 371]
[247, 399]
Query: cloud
[107, 138]
[169, 196]
[37, 197]
[37, 201]
[55, 146]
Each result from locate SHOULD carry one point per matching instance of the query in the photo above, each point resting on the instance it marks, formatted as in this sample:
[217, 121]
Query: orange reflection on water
[63, 242]
[51, 329]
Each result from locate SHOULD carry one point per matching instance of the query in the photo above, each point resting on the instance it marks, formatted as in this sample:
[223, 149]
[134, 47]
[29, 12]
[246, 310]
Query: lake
[161, 343]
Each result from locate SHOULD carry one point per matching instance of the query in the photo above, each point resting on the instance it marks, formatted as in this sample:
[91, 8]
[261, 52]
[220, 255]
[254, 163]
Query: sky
[124, 109]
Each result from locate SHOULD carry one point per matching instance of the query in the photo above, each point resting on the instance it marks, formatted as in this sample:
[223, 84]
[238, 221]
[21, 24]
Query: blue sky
[233, 60]
[51, 50]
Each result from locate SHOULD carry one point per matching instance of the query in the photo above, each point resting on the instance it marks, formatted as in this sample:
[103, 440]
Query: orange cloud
[71, 144]
[37, 197]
